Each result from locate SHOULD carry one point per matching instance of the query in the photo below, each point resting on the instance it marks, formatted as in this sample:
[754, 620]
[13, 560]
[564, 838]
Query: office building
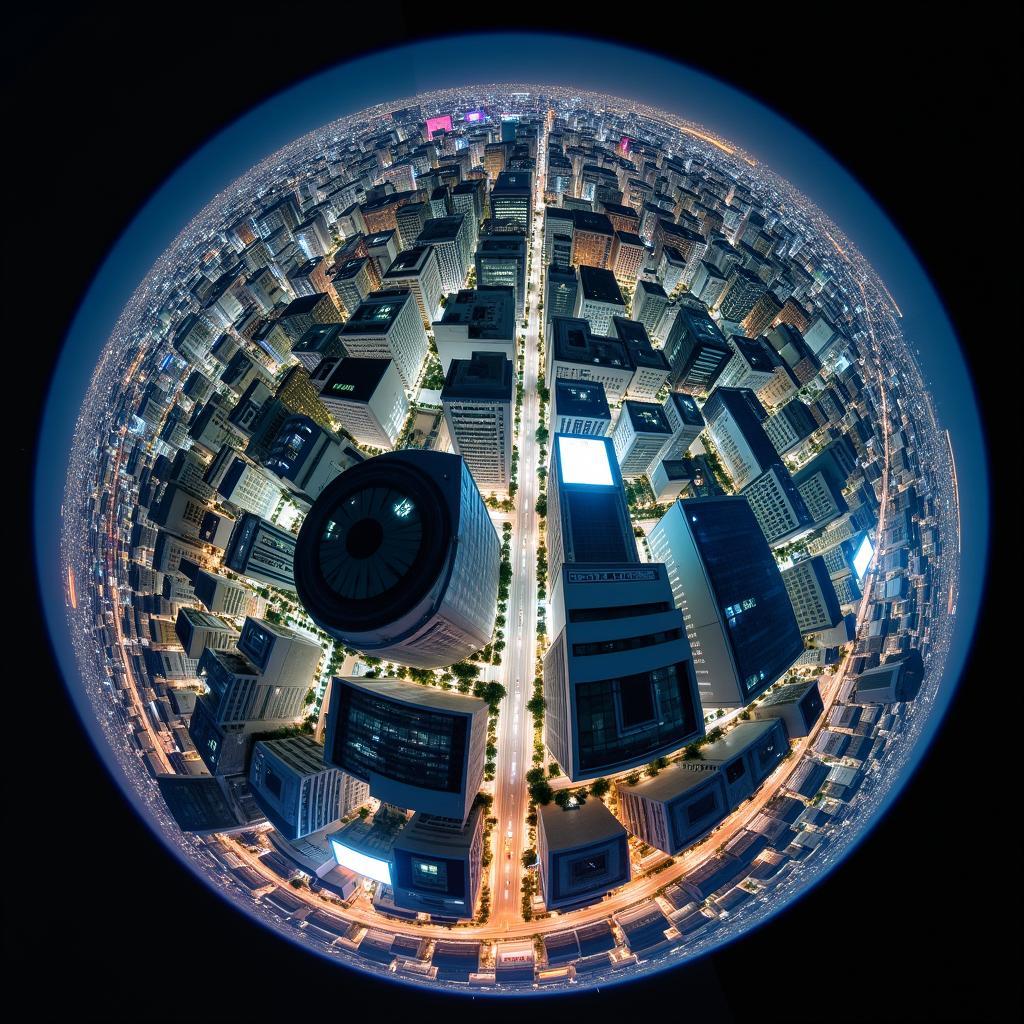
[501, 261]
[598, 299]
[672, 478]
[245, 485]
[221, 595]
[476, 320]
[196, 630]
[388, 325]
[640, 434]
[794, 351]
[688, 799]
[788, 428]
[477, 402]
[410, 220]
[778, 506]
[628, 256]
[897, 679]
[798, 705]
[398, 558]
[618, 677]
[560, 288]
[685, 421]
[436, 865]
[450, 238]
[734, 420]
[753, 364]
[354, 280]
[743, 288]
[575, 353]
[649, 305]
[367, 398]
[262, 552]
[579, 408]
[696, 350]
[740, 622]
[418, 270]
[557, 223]
[512, 198]
[587, 520]
[650, 367]
[294, 788]
[812, 595]
[592, 239]
[321, 341]
[415, 746]
[582, 851]
[306, 457]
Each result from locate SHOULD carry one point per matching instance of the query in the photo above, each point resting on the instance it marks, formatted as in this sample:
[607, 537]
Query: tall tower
[398, 558]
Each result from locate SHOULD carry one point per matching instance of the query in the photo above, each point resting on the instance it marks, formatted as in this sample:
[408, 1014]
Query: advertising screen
[862, 558]
[361, 863]
[474, 115]
[443, 122]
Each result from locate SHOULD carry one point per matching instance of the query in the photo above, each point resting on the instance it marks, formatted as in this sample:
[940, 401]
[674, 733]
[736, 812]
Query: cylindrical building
[398, 558]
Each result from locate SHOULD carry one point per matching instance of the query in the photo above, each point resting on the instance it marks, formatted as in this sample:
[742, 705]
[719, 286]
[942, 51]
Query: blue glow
[584, 460]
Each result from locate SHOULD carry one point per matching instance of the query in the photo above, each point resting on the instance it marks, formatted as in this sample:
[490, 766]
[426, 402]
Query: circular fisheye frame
[591, 395]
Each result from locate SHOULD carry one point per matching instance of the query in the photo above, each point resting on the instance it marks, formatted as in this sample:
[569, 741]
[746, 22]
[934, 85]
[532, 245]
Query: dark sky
[102, 112]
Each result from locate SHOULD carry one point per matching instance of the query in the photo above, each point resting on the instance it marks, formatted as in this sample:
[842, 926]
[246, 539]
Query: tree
[553, 770]
[599, 787]
[632, 778]
[536, 705]
[562, 798]
[529, 856]
[541, 792]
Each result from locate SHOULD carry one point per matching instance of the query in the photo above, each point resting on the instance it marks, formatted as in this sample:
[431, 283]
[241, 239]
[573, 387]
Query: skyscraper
[261, 551]
[740, 622]
[367, 398]
[388, 325]
[477, 403]
[398, 558]
[618, 677]
[812, 595]
[696, 351]
[415, 746]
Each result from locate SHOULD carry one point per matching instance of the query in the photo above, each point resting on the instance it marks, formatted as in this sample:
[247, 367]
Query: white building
[388, 325]
[366, 397]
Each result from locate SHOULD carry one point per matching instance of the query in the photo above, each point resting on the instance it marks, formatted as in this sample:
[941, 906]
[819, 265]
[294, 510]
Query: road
[515, 723]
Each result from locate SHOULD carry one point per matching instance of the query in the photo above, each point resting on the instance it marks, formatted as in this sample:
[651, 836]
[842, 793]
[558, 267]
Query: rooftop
[647, 417]
[377, 312]
[574, 343]
[409, 261]
[487, 375]
[582, 825]
[441, 229]
[488, 312]
[575, 398]
[401, 692]
[599, 285]
[354, 379]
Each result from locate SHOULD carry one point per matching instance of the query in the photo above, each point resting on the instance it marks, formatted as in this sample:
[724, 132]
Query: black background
[923, 920]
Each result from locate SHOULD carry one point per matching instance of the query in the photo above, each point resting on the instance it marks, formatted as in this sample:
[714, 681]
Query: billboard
[362, 864]
[443, 122]
[474, 115]
[862, 558]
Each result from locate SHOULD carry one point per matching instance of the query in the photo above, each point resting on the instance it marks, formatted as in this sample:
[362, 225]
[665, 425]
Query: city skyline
[838, 242]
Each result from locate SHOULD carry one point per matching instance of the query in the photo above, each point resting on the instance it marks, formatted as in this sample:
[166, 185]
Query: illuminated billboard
[584, 460]
[625, 144]
[362, 864]
[443, 122]
[862, 558]
[474, 115]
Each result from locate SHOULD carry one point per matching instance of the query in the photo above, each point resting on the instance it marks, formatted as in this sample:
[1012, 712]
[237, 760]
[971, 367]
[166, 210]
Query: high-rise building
[790, 426]
[628, 256]
[649, 305]
[415, 746]
[598, 299]
[752, 366]
[897, 679]
[478, 319]
[560, 287]
[812, 595]
[354, 280]
[640, 434]
[512, 198]
[247, 486]
[587, 520]
[197, 630]
[686, 422]
[696, 351]
[739, 619]
[221, 595]
[650, 367]
[477, 403]
[417, 270]
[778, 506]
[307, 457]
[501, 260]
[436, 864]
[388, 325]
[743, 288]
[579, 408]
[262, 552]
[367, 398]
[583, 853]
[321, 341]
[575, 353]
[734, 417]
[799, 705]
[618, 677]
[398, 558]
[688, 799]
[294, 788]
[592, 238]
[449, 237]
